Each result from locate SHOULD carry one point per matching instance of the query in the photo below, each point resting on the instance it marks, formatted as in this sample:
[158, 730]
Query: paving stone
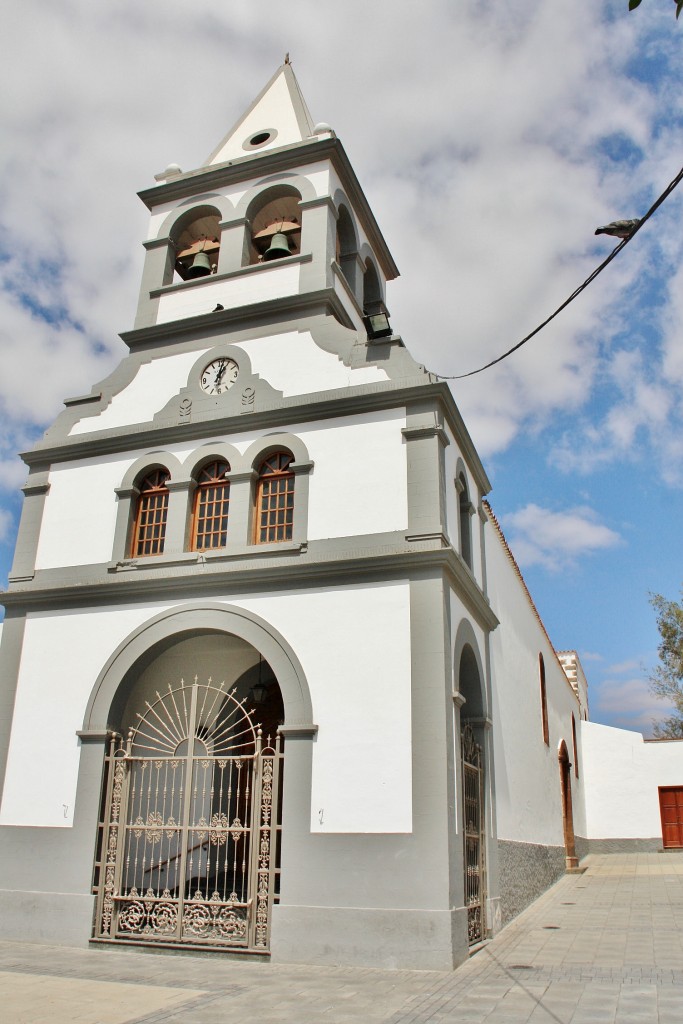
[616, 956]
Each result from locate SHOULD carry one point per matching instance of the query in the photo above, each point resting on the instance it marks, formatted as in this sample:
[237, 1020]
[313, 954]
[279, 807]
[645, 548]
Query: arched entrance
[572, 860]
[189, 836]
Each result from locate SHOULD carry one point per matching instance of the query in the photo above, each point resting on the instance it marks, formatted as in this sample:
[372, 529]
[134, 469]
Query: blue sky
[491, 140]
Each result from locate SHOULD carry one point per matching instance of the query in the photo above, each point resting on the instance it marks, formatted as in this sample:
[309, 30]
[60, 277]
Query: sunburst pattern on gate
[189, 828]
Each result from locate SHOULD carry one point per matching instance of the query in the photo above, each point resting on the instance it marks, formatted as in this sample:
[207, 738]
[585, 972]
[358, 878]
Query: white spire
[277, 117]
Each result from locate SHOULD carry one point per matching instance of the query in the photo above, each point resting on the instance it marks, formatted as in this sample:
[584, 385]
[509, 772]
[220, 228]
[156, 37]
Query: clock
[219, 376]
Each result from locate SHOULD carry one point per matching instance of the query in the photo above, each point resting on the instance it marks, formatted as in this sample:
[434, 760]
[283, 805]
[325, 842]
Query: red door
[671, 807]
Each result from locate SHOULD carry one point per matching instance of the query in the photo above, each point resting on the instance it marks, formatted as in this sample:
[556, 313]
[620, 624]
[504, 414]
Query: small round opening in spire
[259, 139]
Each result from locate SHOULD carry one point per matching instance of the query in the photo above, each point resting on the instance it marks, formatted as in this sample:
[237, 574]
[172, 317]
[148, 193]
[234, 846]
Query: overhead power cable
[598, 270]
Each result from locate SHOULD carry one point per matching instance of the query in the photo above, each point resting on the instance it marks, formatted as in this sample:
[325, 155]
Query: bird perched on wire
[619, 228]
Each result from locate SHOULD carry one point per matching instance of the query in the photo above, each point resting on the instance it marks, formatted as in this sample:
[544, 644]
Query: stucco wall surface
[360, 697]
[290, 362]
[622, 775]
[272, 281]
[527, 774]
[148, 392]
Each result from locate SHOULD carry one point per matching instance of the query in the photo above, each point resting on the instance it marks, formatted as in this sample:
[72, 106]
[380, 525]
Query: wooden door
[671, 808]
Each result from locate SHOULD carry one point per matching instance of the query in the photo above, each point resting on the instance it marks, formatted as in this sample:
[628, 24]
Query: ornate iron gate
[473, 810]
[190, 830]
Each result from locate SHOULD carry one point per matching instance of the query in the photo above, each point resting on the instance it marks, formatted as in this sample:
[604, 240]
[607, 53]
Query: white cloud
[479, 150]
[627, 704]
[553, 540]
[622, 666]
[590, 656]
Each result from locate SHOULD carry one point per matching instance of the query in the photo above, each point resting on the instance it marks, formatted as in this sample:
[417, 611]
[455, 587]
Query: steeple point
[277, 117]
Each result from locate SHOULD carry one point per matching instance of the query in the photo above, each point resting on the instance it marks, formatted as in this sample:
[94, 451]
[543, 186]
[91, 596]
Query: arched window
[274, 519]
[210, 511]
[544, 700]
[152, 512]
[464, 510]
[576, 749]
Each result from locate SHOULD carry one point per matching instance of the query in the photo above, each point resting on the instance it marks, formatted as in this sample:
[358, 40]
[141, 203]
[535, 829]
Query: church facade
[271, 679]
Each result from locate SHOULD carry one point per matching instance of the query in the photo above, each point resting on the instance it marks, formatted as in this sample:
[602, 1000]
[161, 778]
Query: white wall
[622, 773]
[527, 775]
[358, 486]
[290, 362]
[150, 389]
[295, 365]
[270, 281]
[360, 696]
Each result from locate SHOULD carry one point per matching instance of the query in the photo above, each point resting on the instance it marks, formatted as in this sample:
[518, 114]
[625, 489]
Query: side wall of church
[527, 777]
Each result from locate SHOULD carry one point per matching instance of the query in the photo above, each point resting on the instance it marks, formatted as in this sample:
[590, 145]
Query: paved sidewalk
[603, 946]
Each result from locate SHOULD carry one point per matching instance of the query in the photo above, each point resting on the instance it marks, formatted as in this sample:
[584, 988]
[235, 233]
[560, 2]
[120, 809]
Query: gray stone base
[55, 918]
[389, 939]
[526, 871]
[586, 846]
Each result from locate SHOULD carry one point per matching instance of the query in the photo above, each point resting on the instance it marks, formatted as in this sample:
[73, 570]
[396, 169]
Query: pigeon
[619, 228]
[218, 308]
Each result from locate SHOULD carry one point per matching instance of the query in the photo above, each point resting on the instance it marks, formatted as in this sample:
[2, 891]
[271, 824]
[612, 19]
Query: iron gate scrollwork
[190, 827]
[473, 805]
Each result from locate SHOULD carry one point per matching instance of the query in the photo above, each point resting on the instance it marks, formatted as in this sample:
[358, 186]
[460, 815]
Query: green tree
[666, 681]
[632, 4]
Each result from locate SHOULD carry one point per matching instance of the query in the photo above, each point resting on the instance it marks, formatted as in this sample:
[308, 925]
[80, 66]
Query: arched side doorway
[190, 823]
[472, 767]
[572, 860]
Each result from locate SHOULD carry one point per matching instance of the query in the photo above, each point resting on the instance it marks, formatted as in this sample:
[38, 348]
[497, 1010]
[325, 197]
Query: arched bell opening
[196, 241]
[346, 248]
[190, 831]
[372, 289]
[572, 860]
[274, 221]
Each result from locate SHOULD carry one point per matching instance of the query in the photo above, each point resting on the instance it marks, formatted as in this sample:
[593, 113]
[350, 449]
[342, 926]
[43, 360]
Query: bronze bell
[279, 247]
[201, 267]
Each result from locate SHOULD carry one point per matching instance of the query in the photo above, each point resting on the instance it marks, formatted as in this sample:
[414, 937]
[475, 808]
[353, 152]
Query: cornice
[323, 301]
[408, 392]
[319, 405]
[84, 586]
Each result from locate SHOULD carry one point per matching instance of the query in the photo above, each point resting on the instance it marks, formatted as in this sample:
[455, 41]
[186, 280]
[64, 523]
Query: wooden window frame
[211, 477]
[544, 700]
[279, 516]
[152, 499]
[576, 748]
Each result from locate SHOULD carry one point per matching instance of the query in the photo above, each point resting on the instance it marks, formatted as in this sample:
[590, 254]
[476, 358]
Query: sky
[490, 140]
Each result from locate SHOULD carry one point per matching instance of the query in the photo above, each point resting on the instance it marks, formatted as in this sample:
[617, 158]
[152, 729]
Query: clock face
[219, 376]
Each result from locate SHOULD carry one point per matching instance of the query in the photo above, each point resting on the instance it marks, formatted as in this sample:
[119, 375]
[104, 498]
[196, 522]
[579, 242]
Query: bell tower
[268, 494]
[274, 218]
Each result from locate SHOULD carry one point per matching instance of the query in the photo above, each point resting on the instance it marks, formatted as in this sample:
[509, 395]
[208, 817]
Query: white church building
[271, 680]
